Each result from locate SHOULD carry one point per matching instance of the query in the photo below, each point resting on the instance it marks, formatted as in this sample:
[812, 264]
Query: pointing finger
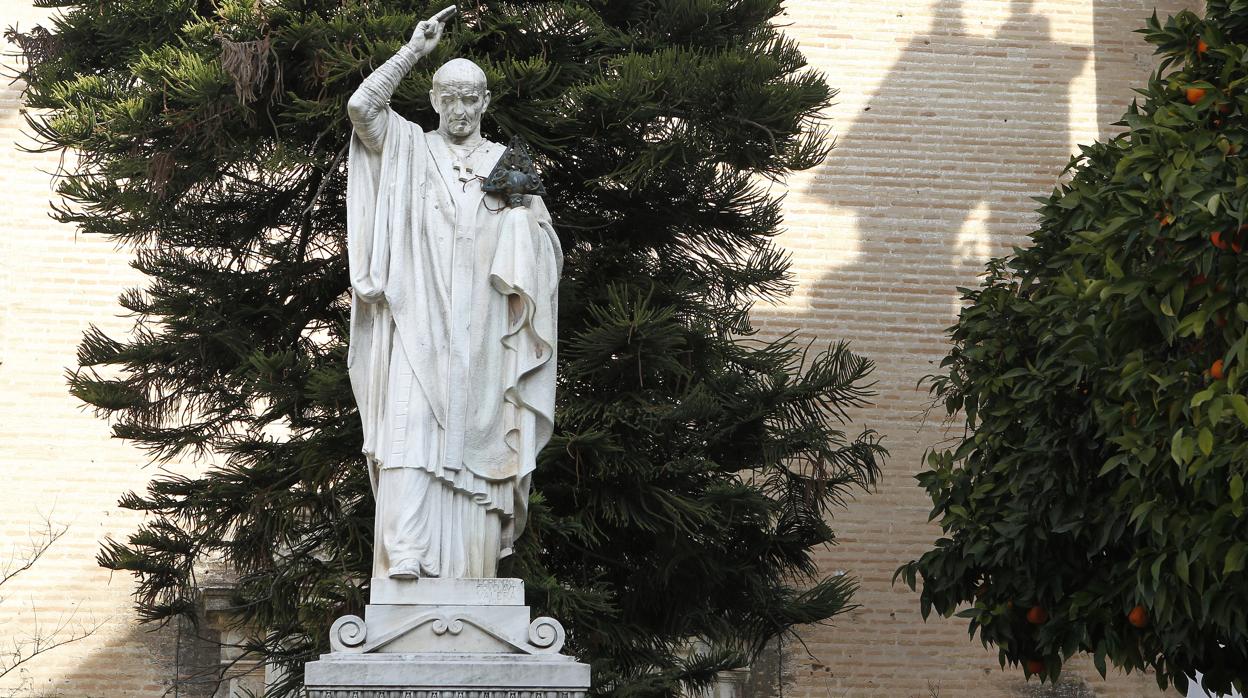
[445, 14]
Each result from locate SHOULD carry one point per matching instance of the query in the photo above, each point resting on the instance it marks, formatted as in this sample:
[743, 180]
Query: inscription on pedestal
[483, 591]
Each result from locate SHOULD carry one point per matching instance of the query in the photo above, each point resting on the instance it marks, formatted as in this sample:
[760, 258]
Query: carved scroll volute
[347, 633]
[546, 635]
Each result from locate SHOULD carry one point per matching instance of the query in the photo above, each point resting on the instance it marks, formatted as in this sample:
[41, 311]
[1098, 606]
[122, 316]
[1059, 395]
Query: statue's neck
[469, 141]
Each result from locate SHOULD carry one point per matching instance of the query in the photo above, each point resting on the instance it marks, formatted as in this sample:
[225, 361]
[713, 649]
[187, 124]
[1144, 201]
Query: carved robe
[452, 353]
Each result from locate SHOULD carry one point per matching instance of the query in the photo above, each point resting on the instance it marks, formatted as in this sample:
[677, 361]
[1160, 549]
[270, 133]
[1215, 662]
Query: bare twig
[37, 546]
[40, 639]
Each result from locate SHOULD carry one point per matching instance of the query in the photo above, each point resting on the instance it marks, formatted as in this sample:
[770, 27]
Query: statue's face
[460, 106]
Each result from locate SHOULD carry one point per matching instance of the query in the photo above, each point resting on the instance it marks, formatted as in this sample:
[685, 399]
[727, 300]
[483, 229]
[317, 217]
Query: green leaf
[1112, 463]
[1237, 488]
[1112, 267]
[1140, 510]
[1205, 441]
[1235, 558]
[1177, 447]
[1240, 404]
[1156, 568]
[1215, 410]
[1203, 396]
[1237, 349]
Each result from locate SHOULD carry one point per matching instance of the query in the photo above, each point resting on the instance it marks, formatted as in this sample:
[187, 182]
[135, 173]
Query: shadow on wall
[162, 653]
[938, 173]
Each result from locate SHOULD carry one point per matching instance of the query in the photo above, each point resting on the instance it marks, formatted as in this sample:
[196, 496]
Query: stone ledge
[449, 675]
[344, 692]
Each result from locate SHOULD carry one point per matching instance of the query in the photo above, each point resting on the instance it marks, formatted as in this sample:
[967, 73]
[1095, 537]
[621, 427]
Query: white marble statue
[452, 356]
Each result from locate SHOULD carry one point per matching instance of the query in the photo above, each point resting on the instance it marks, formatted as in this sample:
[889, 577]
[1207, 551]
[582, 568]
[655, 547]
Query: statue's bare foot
[406, 569]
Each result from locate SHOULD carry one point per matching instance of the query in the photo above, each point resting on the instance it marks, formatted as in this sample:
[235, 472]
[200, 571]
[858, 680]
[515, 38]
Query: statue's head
[459, 96]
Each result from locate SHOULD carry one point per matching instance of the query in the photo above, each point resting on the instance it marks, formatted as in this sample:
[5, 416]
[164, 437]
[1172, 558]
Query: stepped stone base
[454, 638]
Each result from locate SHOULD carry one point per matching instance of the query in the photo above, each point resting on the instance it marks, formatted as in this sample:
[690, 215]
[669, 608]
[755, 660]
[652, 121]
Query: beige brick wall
[56, 461]
[952, 114]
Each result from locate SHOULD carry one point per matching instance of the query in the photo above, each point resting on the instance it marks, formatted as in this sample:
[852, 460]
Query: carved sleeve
[369, 106]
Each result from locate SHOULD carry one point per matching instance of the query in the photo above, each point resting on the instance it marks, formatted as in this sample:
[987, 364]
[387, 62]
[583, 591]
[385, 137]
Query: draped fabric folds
[452, 353]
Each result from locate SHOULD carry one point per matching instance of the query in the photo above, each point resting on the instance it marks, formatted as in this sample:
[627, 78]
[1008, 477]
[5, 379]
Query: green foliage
[1101, 374]
[693, 467]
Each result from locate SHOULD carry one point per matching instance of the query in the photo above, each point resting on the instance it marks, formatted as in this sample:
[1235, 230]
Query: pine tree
[1096, 503]
[694, 466]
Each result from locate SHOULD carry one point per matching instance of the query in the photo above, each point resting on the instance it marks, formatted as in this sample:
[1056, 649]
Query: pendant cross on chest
[463, 170]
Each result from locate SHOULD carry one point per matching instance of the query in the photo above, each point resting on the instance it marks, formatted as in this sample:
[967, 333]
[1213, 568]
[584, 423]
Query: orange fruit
[1138, 616]
[1217, 240]
[1198, 280]
[1217, 371]
[1035, 666]
[1194, 94]
[1036, 615]
[1201, 46]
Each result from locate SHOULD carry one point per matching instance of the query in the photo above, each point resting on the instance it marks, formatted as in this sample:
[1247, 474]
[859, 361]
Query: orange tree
[1096, 500]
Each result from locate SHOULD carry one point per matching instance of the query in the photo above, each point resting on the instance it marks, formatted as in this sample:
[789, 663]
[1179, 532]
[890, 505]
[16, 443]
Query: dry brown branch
[35, 46]
[247, 64]
[159, 171]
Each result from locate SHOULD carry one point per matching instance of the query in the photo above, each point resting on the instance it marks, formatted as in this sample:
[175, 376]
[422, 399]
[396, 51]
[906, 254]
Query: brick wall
[952, 114]
[56, 461]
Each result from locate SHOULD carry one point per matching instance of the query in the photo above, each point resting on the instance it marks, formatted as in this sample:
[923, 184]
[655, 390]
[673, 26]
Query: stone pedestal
[446, 638]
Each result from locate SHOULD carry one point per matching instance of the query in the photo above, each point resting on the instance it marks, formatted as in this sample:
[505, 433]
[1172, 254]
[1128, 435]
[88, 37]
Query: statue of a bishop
[452, 355]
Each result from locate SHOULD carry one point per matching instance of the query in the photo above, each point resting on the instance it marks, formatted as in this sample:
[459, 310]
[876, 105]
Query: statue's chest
[454, 180]
[453, 218]
[447, 199]
[465, 188]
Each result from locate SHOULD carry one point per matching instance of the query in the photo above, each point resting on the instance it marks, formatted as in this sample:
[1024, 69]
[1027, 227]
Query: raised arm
[369, 105]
